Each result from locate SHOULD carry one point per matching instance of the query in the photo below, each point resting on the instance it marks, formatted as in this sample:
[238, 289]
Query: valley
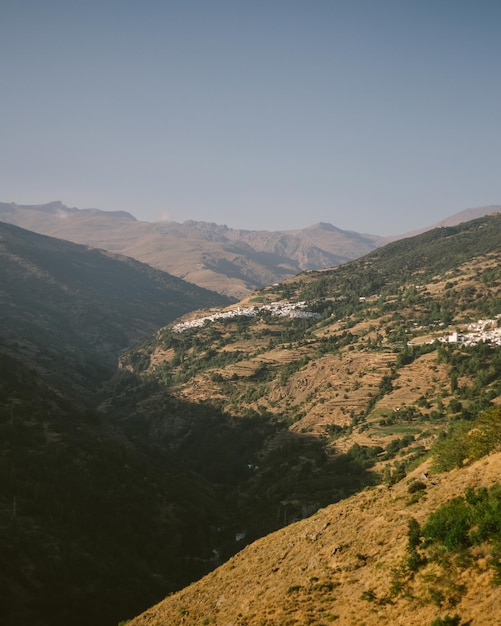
[230, 261]
[274, 442]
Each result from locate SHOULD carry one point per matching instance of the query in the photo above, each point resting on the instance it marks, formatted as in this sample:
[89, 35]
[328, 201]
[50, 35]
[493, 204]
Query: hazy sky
[378, 116]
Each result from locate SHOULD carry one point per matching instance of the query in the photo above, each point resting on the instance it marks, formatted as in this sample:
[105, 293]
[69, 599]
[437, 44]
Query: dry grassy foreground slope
[338, 566]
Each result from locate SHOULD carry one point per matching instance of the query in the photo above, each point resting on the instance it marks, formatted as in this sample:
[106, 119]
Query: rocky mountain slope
[231, 262]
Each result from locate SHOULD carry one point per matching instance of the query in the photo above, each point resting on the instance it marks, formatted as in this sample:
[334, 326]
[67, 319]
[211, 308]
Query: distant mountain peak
[56, 207]
[202, 225]
[324, 226]
[123, 214]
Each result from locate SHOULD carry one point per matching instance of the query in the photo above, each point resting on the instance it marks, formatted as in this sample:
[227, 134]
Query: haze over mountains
[231, 262]
[137, 457]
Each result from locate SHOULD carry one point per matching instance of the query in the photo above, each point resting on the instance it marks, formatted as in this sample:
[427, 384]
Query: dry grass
[336, 567]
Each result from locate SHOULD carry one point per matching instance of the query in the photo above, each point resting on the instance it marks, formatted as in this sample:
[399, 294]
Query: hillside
[94, 526]
[348, 564]
[396, 364]
[360, 348]
[229, 261]
[89, 305]
[361, 380]
[76, 494]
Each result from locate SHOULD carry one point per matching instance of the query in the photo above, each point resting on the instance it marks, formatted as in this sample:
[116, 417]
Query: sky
[378, 116]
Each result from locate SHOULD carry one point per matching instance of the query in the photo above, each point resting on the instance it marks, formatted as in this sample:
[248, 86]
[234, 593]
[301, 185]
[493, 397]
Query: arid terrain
[339, 566]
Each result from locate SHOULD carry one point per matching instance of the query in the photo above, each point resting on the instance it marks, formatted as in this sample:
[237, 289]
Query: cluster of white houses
[284, 309]
[487, 331]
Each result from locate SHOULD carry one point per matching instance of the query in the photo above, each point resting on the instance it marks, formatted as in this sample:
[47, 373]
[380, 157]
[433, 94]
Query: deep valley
[154, 433]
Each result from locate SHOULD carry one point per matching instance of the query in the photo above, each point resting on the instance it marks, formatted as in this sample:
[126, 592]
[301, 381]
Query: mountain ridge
[466, 215]
[99, 295]
[233, 262]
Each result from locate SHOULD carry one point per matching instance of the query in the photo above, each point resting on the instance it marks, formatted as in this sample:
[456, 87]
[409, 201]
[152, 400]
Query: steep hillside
[354, 363]
[77, 494]
[352, 563]
[94, 527]
[72, 309]
[229, 261]
[396, 358]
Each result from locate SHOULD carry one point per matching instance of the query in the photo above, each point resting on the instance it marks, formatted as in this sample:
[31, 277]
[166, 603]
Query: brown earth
[338, 565]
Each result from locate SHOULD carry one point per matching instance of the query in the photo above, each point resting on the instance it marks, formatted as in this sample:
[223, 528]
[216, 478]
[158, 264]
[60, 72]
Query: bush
[467, 521]
[447, 621]
[449, 525]
[469, 441]
[416, 485]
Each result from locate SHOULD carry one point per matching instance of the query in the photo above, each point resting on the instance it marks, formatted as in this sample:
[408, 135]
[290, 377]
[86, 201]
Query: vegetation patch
[456, 536]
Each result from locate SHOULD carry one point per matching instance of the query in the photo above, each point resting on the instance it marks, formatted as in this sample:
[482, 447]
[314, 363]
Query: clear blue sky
[378, 116]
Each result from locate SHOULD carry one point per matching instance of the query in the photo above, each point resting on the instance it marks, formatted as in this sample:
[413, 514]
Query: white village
[282, 309]
[486, 331]
[482, 331]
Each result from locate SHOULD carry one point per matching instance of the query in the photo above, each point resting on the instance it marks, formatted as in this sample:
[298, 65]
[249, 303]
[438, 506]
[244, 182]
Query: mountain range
[297, 447]
[230, 261]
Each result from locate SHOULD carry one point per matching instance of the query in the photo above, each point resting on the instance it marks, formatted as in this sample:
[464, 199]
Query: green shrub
[464, 522]
[469, 441]
[447, 621]
[416, 485]
[449, 525]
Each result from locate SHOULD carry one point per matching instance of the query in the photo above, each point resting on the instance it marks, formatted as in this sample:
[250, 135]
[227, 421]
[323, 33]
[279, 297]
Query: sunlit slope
[227, 260]
[371, 361]
[214, 433]
[359, 388]
[349, 564]
[230, 261]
